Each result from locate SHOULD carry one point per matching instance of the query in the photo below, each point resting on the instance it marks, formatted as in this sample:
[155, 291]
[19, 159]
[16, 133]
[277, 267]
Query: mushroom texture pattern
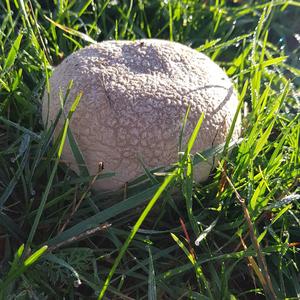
[135, 95]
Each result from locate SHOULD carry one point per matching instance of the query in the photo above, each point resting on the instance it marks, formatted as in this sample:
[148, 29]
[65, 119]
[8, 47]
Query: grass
[235, 236]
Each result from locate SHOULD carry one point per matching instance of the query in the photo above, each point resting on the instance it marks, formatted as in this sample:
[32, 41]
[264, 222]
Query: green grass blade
[71, 31]
[10, 187]
[35, 256]
[135, 228]
[49, 184]
[104, 215]
[12, 55]
[194, 135]
[17, 268]
[83, 170]
[151, 278]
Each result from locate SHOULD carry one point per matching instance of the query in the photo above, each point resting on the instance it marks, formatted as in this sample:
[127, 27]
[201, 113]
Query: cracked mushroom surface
[135, 95]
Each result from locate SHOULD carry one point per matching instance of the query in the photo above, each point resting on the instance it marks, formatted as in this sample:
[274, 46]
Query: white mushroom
[135, 95]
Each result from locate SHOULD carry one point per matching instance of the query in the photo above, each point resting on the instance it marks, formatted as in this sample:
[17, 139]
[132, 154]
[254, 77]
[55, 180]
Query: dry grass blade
[267, 284]
[81, 236]
[72, 31]
[75, 209]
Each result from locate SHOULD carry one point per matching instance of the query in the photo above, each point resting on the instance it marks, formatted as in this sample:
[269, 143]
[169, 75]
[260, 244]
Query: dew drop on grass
[77, 283]
[113, 3]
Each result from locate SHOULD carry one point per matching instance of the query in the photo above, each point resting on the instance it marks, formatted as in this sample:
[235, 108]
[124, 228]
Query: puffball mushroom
[135, 95]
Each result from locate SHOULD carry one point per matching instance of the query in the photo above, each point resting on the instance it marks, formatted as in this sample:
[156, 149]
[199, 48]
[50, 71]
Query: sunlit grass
[235, 236]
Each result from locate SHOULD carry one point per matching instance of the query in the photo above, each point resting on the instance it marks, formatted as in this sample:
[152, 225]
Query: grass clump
[234, 237]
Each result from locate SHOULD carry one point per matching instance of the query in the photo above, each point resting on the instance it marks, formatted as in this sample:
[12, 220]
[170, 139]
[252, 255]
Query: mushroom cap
[135, 95]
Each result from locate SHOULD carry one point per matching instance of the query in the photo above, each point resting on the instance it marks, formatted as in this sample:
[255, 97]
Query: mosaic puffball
[135, 95]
